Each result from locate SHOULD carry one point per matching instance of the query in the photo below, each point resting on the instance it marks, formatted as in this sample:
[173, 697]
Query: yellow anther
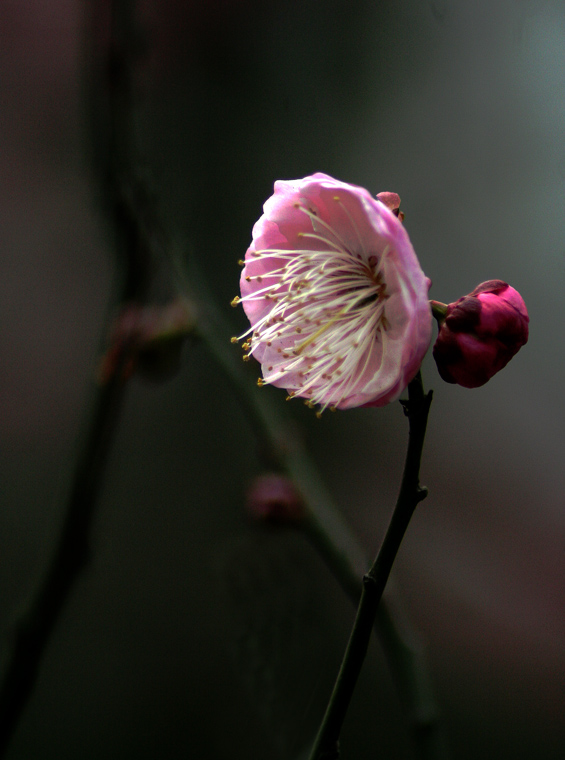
[245, 357]
[260, 382]
[337, 198]
[234, 339]
[319, 415]
[333, 408]
[235, 301]
[241, 263]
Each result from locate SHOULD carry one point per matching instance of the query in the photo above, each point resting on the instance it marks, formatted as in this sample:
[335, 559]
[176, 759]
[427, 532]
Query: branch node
[421, 493]
[368, 580]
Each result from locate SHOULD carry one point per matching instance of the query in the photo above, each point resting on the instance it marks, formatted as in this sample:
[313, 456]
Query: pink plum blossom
[336, 298]
[480, 333]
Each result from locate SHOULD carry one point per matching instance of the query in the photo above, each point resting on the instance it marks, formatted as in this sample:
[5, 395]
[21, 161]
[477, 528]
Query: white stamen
[328, 307]
[315, 219]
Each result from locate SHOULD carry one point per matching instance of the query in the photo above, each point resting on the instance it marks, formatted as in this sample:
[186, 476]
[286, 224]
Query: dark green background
[193, 634]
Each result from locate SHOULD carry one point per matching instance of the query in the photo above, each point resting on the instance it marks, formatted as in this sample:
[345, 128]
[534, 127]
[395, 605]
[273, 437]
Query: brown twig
[326, 745]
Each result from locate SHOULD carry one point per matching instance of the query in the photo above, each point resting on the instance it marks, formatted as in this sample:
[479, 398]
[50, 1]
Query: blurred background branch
[31, 632]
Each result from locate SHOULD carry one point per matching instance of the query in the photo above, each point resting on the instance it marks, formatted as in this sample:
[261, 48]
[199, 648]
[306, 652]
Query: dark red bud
[480, 334]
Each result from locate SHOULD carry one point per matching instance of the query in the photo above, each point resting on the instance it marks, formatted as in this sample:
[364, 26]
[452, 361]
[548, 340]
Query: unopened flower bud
[480, 333]
[392, 202]
[274, 498]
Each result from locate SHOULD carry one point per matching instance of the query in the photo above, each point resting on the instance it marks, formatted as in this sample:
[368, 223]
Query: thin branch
[326, 745]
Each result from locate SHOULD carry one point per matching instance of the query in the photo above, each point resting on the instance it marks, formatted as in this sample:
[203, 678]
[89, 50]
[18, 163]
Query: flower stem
[326, 745]
[439, 311]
